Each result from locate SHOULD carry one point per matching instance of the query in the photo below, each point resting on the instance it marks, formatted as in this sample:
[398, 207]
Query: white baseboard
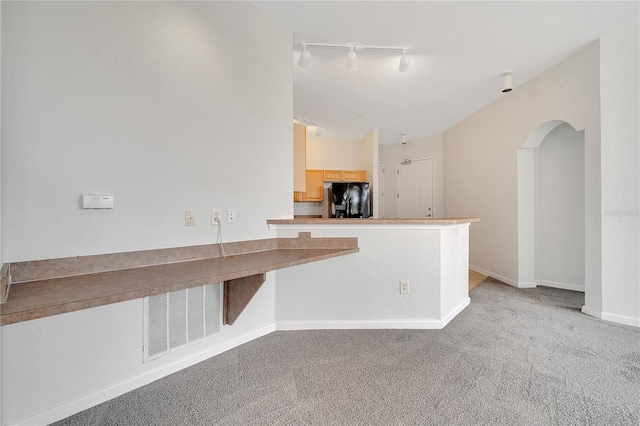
[360, 325]
[90, 400]
[591, 312]
[607, 316]
[451, 315]
[621, 319]
[563, 286]
[408, 324]
[524, 284]
[528, 284]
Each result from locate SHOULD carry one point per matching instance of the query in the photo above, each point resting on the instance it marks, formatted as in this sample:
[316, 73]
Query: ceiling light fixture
[405, 61]
[305, 57]
[507, 81]
[306, 122]
[352, 58]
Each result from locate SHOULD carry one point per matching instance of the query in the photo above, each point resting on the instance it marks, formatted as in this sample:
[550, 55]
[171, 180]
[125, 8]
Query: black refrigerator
[350, 200]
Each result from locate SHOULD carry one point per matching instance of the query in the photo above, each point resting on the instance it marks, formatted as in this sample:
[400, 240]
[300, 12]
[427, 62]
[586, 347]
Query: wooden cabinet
[315, 179]
[314, 187]
[345, 175]
[354, 175]
[333, 175]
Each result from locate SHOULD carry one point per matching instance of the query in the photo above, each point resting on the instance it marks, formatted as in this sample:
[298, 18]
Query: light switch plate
[189, 218]
[97, 201]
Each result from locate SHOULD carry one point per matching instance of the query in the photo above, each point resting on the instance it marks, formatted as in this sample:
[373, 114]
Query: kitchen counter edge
[371, 221]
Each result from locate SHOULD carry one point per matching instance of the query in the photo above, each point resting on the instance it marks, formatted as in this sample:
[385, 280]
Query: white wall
[156, 103]
[482, 160]
[432, 146]
[619, 97]
[159, 104]
[559, 209]
[335, 154]
[482, 170]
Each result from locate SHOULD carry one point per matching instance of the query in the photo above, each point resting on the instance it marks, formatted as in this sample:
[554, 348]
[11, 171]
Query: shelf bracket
[237, 295]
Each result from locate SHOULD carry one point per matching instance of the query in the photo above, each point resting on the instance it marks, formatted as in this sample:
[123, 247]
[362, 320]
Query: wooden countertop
[371, 221]
[50, 296]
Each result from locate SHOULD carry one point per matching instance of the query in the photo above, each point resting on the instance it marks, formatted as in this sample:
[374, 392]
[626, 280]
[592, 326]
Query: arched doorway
[551, 208]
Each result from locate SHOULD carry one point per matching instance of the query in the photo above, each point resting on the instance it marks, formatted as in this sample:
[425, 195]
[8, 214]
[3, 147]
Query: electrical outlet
[189, 218]
[216, 217]
[231, 216]
[404, 287]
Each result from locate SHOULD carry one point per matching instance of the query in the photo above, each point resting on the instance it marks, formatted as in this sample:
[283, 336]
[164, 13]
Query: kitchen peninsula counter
[409, 273]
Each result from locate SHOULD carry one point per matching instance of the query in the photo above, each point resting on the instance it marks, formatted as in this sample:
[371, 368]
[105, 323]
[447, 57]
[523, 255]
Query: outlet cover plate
[214, 213]
[231, 216]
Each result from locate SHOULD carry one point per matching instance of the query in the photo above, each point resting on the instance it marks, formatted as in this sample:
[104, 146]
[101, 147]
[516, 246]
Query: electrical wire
[220, 238]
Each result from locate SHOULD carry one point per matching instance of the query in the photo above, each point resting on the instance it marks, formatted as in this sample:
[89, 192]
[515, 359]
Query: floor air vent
[176, 319]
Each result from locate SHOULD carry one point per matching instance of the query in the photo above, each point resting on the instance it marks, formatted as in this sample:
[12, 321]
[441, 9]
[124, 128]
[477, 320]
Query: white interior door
[415, 188]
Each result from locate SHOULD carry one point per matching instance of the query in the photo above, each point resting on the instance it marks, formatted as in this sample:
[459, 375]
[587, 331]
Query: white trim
[455, 311]
[607, 316]
[417, 324]
[405, 324]
[90, 400]
[522, 284]
[563, 286]
[621, 319]
[591, 312]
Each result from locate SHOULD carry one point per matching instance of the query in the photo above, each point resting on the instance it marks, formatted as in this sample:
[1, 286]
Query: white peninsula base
[363, 290]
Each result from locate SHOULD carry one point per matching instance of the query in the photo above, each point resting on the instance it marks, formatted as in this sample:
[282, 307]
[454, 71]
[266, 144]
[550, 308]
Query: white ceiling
[458, 50]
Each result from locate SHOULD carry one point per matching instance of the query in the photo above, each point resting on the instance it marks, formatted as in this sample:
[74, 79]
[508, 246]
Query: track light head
[507, 81]
[405, 61]
[318, 131]
[352, 60]
[403, 139]
[305, 57]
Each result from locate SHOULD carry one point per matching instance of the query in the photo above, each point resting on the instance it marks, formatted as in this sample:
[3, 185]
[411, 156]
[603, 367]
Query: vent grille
[176, 319]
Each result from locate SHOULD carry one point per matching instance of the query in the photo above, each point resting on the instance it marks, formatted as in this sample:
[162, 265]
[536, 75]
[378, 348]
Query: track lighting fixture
[507, 81]
[305, 57]
[308, 123]
[352, 58]
[403, 139]
[405, 61]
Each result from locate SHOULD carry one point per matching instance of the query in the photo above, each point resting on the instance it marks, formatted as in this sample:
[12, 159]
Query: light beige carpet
[475, 278]
[512, 357]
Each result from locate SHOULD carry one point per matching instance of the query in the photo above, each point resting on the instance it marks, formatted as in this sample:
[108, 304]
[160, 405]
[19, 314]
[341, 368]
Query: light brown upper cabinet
[314, 190]
[345, 175]
[314, 185]
[299, 157]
